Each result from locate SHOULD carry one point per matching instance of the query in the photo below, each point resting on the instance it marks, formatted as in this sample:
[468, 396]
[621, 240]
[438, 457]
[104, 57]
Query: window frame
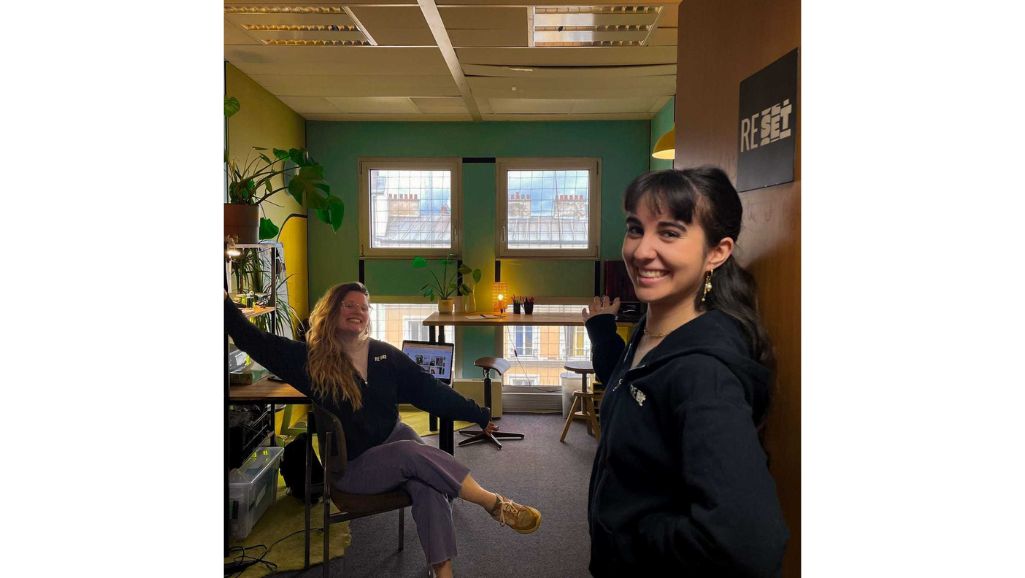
[535, 339]
[590, 164]
[452, 164]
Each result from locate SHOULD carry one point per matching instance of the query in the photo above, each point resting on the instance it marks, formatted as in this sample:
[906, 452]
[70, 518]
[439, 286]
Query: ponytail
[734, 292]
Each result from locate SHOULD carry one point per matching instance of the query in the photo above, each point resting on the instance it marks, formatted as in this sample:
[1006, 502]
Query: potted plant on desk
[261, 176]
[446, 287]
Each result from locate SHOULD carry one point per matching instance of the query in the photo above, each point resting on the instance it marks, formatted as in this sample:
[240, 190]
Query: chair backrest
[328, 422]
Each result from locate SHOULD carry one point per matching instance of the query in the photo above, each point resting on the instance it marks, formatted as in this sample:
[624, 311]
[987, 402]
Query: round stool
[487, 364]
[583, 400]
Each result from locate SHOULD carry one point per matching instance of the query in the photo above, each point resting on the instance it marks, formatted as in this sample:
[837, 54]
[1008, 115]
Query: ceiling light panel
[593, 25]
[297, 25]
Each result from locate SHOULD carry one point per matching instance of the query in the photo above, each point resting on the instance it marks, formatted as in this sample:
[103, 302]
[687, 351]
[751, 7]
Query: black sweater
[392, 378]
[680, 484]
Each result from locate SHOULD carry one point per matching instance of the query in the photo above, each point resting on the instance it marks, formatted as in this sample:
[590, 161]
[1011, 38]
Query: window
[414, 329]
[526, 340]
[394, 322]
[580, 345]
[548, 207]
[409, 207]
[537, 354]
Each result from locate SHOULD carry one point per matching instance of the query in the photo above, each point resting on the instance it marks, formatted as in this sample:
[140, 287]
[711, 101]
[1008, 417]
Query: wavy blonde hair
[332, 373]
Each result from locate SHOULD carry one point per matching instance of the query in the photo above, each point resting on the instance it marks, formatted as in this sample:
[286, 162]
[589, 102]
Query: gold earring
[708, 285]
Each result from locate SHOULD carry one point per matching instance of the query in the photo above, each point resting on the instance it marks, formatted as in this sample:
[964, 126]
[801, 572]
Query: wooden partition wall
[722, 42]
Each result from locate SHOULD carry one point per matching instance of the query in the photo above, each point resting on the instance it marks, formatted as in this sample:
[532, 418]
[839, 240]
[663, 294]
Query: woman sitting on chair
[361, 381]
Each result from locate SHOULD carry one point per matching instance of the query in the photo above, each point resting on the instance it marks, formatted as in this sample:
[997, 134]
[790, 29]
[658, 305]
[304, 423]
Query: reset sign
[768, 125]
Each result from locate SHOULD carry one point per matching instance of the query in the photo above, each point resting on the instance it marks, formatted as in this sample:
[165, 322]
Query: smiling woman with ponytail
[680, 484]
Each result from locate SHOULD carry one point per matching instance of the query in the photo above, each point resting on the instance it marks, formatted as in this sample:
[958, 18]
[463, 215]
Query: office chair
[350, 506]
[501, 366]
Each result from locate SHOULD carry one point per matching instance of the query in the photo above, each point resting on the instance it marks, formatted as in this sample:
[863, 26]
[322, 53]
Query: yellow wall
[265, 121]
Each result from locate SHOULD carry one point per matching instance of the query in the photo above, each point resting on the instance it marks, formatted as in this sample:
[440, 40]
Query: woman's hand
[600, 306]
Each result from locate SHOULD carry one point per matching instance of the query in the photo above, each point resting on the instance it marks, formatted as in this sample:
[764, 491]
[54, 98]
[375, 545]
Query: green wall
[662, 122]
[622, 146]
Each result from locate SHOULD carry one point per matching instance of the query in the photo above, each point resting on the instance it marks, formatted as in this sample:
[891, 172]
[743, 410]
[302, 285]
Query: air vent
[317, 43]
[594, 9]
[300, 28]
[283, 10]
[567, 26]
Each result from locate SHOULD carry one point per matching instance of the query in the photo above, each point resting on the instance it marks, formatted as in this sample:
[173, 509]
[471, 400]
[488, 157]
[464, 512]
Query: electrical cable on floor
[243, 562]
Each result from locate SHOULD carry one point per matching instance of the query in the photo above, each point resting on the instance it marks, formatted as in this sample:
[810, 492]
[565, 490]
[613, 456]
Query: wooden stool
[501, 366]
[583, 401]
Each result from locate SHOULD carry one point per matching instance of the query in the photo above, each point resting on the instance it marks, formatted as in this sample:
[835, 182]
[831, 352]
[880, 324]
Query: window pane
[548, 209]
[537, 354]
[410, 209]
[393, 322]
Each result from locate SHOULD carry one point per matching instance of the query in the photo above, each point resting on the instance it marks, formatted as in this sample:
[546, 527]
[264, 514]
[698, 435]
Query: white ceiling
[458, 60]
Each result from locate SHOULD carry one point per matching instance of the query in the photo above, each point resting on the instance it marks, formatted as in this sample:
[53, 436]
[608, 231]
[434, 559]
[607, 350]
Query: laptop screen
[434, 358]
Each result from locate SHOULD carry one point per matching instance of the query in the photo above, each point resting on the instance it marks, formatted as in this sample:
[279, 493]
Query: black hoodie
[392, 378]
[680, 484]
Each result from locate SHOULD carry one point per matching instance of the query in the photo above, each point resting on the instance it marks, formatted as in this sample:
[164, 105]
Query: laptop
[434, 358]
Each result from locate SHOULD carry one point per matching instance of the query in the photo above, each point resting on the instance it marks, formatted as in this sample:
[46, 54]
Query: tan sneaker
[523, 519]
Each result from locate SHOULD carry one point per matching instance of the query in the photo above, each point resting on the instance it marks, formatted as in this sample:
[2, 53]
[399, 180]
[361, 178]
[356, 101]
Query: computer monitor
[434, 358]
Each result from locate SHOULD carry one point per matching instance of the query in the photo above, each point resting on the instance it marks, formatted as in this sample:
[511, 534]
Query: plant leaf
[464, 269]
[295, 188]
[298, 157]
[268, 230]
[280, 154]
[419, 263]
[231, 106]
[336, 208]
[311, 173]
[476, 275]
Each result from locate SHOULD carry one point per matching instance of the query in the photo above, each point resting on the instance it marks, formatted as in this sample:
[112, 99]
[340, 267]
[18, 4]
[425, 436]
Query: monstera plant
[261, 176]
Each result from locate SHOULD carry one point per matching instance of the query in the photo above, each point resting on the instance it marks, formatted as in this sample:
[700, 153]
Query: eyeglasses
[360, 306]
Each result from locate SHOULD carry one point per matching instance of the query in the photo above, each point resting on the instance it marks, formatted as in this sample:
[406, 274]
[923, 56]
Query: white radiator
[532, 399]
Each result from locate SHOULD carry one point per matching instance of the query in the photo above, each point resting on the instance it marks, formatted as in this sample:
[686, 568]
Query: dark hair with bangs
[707, 194]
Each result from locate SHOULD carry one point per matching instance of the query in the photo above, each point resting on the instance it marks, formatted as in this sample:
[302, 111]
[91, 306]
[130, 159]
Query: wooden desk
[266, 391]
[574, 319]
[440, 320]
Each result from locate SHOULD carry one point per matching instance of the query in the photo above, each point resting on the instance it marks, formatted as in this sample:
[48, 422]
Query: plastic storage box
[252, 488]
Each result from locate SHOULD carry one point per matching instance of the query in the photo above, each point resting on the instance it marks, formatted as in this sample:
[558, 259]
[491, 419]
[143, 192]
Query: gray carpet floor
[538, 471]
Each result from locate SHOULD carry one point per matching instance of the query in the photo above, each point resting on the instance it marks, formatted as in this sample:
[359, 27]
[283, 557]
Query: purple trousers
[431, 476]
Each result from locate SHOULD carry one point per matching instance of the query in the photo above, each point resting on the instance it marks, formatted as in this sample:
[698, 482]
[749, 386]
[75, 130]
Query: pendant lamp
[665, 147]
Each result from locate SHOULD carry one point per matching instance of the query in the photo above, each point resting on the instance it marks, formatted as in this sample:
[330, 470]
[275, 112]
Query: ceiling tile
[584, 56]
[441, 105]
[304, 105]
[395, 25]
[357, 85]
[375, 104]
[336, 60]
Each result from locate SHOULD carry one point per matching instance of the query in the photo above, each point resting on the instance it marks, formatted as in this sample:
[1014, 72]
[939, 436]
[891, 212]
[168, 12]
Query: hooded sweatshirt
[392, 378]
[680, 484]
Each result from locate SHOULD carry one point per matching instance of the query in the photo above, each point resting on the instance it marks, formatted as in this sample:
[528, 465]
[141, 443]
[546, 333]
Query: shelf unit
[253, 436]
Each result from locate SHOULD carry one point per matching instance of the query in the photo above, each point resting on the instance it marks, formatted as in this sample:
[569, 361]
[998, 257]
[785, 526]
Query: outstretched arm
[283, 357]
[419, 388]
